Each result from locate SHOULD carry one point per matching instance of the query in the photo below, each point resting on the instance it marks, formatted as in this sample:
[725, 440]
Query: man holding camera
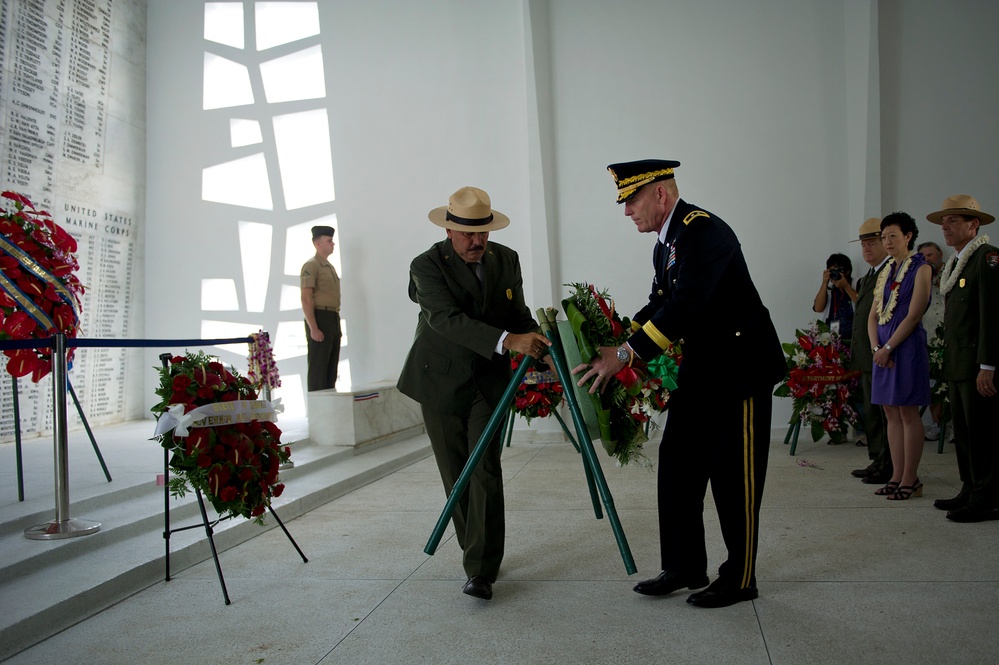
[836, 295]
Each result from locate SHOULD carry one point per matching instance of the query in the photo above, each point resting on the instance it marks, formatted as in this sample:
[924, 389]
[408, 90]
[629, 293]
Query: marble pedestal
[364, 417]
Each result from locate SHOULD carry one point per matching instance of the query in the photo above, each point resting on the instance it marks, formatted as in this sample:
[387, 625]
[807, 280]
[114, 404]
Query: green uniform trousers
[478, 518]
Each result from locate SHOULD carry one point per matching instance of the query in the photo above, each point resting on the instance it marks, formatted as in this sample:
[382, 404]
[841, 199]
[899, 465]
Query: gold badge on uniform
[961, 283]
[509, 294]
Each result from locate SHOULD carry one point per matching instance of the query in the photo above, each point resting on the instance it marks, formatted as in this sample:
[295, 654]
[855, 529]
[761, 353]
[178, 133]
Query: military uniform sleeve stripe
[657, 337]
[694, 215]
[749, 483]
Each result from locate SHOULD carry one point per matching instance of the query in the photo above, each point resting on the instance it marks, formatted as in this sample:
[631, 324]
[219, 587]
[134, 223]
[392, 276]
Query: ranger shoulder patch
[992, 259]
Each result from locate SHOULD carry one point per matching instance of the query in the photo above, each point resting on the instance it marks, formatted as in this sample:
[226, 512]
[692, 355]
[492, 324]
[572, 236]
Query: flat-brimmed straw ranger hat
[871, 228]
[469, 209]
[961, 204]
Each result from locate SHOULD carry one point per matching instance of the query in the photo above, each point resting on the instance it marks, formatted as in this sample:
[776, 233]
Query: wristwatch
[888, 347]
[622, 354]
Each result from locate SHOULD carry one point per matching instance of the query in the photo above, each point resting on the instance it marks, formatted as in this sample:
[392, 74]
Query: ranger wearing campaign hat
[470, 293]
[969, 283]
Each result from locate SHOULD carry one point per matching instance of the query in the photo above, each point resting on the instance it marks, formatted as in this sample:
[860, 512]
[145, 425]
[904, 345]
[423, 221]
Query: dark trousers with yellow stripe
[726, 442]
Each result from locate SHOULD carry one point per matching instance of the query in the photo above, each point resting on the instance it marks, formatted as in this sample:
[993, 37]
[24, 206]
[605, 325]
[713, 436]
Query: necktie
[657, 256]
[476, 269]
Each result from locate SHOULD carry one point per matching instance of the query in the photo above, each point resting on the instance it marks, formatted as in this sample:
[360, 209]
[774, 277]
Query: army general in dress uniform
[718, 429]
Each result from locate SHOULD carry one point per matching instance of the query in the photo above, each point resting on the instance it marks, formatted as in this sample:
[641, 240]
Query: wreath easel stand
[591, 465]
[208, 525]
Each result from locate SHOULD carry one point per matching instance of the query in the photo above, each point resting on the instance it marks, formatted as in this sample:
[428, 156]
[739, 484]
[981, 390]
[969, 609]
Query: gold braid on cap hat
[643, 176]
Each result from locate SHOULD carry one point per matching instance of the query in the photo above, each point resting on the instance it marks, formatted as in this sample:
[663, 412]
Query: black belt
[327, 309]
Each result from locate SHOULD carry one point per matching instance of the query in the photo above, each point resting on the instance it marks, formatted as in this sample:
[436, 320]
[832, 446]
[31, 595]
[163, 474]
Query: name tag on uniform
[961, 283]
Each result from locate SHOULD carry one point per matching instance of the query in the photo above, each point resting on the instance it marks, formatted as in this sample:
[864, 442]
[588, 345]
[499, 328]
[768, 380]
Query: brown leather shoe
[479, 587]
[665, 583]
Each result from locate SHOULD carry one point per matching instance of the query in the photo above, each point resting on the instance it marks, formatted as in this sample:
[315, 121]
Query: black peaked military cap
[630, 176]
[320, 231]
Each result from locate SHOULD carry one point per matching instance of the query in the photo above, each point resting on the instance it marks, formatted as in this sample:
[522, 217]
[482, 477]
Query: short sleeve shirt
[320, 276]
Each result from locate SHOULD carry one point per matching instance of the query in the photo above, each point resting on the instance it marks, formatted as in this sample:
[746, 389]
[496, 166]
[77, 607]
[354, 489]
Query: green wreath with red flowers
[222, 439]
[538, 394]
[625, 410]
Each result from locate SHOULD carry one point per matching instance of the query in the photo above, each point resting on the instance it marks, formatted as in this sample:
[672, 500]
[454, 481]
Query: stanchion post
[63, 526]
[17, 440]
[165, 361]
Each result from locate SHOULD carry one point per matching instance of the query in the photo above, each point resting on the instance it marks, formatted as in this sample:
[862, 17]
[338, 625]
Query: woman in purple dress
[901, 374]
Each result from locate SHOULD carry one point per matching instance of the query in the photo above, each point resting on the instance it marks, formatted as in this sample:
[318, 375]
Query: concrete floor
[844, 577]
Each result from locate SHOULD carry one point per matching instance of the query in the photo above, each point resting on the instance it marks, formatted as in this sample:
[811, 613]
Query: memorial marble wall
[72, 139]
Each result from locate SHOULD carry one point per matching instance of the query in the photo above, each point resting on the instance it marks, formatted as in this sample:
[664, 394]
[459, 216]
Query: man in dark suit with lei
[879, 471]
[472, 312]
[970, 284]
[718, 429]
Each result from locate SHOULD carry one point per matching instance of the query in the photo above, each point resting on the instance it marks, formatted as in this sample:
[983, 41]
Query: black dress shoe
[479, 587]
[971, 513]
[956, 503]
[866, 471]
[721, 594]
[877, 478]
[665, 583]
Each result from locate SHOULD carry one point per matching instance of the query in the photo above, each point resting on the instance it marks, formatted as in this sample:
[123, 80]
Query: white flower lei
[887, 309]
[948, 278]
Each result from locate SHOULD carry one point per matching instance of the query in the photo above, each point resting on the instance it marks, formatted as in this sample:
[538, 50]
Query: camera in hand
[834, 275]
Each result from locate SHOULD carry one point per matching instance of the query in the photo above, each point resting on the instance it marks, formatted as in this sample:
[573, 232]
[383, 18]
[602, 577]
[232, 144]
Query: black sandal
[906, 491]
[888, 490]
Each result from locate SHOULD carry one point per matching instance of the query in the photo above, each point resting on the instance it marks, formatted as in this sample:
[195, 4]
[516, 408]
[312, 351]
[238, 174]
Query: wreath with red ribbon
[820, 383]
[39, 291]
[636, 393]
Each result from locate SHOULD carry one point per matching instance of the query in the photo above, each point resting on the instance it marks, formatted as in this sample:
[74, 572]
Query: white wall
[939, 100]
[776, 108]
[750, 97]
